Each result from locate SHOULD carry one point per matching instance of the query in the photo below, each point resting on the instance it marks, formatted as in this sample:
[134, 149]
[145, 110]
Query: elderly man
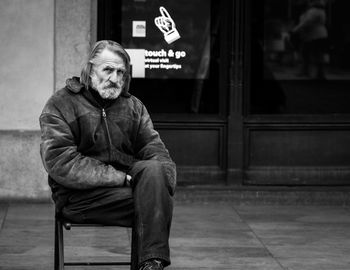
[105, 161]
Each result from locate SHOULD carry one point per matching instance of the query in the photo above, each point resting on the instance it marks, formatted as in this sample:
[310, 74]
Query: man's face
[107, 75]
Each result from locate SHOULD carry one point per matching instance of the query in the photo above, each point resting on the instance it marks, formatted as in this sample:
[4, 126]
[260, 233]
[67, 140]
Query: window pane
[300, 57]
[173, 49]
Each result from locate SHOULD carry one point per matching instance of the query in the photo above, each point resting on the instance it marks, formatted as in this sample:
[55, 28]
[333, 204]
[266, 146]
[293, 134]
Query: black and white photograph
[175, 134]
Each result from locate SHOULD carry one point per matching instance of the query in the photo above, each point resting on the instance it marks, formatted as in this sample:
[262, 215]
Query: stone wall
[27, 62]
[42, 43]
[73, 37]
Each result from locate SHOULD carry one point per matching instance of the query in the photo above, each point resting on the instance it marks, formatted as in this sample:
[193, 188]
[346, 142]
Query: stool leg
[134, 250]
[59, 255]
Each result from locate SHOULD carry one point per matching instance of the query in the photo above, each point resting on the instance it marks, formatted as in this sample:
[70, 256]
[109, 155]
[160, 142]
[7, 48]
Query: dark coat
[85, 144]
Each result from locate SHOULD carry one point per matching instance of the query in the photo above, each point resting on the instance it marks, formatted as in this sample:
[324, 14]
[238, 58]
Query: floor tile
[325, 263]
[211, 236]
[204, 235]
[314, 237]
[3, 212]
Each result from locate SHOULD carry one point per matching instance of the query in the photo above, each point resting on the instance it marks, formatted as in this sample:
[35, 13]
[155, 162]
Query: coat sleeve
[151, 147]
[65, 164]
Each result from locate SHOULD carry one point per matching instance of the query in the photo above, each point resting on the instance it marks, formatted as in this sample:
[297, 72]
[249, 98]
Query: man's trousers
[147, 205]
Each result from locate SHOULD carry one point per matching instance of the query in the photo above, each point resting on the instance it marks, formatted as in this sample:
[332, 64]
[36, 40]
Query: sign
[167, 39]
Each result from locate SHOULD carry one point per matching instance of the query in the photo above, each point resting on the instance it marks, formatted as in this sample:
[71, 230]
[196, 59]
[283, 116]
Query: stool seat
[62, 222]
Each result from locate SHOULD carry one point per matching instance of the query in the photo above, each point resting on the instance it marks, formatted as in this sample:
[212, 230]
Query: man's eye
[120, 72]
[109, 70]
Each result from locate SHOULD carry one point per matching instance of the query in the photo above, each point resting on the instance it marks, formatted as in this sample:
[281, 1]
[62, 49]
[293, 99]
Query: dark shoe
[152, 265]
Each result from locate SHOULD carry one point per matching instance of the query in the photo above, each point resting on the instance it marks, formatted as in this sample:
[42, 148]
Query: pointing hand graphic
[166, 24]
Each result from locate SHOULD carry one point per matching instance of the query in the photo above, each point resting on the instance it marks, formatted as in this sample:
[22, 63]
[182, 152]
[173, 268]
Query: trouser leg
[153, 210]
[319, 58]
[148, 207]
[110, 206]
[306, 54]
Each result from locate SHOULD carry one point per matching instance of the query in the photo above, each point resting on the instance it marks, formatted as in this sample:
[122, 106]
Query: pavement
[208, 234]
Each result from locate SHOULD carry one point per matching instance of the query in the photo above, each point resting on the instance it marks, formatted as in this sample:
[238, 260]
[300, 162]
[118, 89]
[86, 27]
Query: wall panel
[306, 155]
[197, 149]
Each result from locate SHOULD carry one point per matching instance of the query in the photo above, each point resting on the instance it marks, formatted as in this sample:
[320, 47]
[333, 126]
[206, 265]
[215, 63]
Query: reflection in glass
[173, 49]
[303, 47]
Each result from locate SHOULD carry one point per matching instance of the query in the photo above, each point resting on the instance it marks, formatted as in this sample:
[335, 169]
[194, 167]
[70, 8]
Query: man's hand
[128, 181]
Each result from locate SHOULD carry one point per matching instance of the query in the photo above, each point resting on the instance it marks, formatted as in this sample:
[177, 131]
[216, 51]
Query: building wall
[73, 37]
[42, 43]
[26, 56]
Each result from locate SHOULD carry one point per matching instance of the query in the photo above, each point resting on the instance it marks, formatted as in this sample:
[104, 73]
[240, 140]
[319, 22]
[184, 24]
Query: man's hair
[96, 50]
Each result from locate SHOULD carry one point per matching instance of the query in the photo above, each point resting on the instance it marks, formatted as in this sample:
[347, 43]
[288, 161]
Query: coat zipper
[104, 116]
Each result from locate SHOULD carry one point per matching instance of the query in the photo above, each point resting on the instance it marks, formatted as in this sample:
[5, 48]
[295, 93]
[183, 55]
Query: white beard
[106, 93]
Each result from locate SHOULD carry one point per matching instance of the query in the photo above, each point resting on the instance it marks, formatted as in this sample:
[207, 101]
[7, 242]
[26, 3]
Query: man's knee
[148, 169]
[149, 166]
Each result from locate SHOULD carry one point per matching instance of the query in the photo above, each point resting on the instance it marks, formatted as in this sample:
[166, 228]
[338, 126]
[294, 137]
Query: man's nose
[113, 77]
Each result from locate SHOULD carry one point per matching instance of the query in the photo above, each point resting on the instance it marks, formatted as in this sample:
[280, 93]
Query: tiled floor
[205, 235]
